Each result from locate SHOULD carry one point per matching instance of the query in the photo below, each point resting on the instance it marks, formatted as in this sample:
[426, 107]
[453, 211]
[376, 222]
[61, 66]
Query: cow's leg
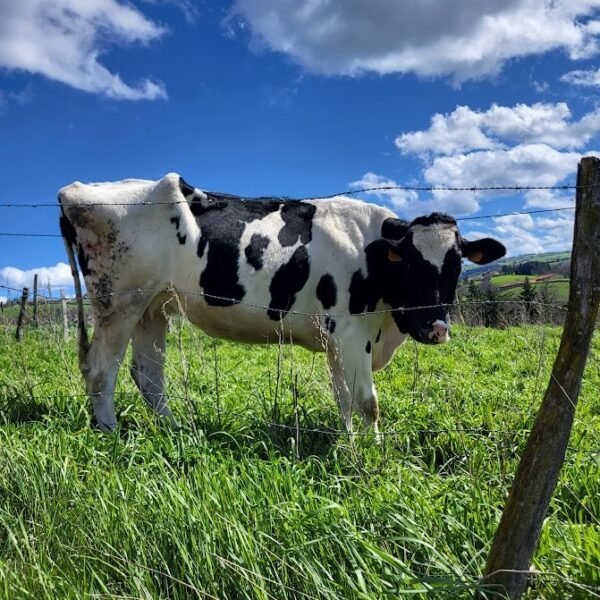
[352, 378]
[147, 369]
[100, 367]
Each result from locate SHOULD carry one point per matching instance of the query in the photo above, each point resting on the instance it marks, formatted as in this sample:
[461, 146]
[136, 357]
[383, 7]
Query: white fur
[434, 241]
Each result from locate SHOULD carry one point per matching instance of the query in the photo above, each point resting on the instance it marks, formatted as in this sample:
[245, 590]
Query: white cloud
[589, 78]
[523, 234]
[57, 276]
[63, 40]
[460, 39]
[521, 165]
[465, 130]
[408, 204]
[3, 299]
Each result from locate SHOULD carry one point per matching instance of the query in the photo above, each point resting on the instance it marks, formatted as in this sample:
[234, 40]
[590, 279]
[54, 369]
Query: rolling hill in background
[548, 274]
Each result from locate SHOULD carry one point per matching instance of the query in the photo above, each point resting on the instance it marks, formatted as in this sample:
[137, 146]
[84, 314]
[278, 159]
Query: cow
[338, 275]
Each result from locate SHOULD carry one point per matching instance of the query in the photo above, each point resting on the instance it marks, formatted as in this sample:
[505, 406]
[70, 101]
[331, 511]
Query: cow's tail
[69, 235]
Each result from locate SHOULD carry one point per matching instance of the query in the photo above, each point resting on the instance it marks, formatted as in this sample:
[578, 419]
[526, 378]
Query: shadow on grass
[17, 409]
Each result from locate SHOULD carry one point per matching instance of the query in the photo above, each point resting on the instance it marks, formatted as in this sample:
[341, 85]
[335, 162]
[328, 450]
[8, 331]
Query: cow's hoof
[103, 427]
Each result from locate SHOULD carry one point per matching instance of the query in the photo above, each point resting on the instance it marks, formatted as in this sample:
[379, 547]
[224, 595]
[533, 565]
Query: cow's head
[423, 263]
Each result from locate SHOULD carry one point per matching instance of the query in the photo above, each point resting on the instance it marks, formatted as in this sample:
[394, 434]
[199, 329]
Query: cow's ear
[394, 229]
[482, 251]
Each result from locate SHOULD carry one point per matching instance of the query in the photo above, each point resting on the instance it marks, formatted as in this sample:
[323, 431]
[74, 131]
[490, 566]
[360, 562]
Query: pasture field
[557, 288]
[499, 280]
[233, 505]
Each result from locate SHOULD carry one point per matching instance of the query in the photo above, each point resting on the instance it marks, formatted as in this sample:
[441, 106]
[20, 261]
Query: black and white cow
[261, 270]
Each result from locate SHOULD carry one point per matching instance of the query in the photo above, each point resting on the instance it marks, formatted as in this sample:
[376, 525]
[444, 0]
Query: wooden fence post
[517, 536]
[65, 316]
[24, 297]
[35, 301]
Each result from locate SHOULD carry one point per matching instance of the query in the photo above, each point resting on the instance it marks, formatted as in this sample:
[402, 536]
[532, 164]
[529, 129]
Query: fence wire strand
[284, 311]
[347, 192]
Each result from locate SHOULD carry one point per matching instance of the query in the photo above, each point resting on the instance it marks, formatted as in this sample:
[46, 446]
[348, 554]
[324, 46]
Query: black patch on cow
[434, 218]
[330, 324]
[368, 347]
[67, 230]
[362, 299]
[181, 238]
[185, 187]
[254, 250]
[222, 219]
[83, 261]
[327, 291]
[378, 337]
[69, 233]
[394, 229]
[289, 279]
[298, 217]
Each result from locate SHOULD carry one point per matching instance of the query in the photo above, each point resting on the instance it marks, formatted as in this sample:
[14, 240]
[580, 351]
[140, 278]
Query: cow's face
[424, 263]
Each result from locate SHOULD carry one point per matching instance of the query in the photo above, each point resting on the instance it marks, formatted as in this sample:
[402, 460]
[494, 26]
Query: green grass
[499, 280]
[558, 289]
[232, 507]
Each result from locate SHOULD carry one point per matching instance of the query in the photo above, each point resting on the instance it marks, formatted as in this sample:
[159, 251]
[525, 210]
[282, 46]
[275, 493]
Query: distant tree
[547, 299]
[528, 295]
[473, 297]
[532, 267]
[474, 292]
[491, 311]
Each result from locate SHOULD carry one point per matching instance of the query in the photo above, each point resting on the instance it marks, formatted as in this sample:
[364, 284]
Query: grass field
[499, 280]
[557, 288]
[231, 506]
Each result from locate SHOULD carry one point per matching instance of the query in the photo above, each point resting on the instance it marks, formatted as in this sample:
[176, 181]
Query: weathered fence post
[537, 474]
[35, 301]
[24, 297]
[65, 316]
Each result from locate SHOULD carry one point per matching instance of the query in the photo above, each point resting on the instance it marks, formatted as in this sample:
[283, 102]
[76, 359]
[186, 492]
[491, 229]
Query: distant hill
[471, 270]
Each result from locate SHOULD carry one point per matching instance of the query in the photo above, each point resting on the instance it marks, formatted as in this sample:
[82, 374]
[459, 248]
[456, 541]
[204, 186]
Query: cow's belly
[242, 323]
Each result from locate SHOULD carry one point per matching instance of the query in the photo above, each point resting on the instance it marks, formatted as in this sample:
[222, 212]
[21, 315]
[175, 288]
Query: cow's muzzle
[436, 332]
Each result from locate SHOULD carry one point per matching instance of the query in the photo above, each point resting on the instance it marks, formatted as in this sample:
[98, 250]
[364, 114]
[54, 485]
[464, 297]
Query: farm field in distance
[239, 504]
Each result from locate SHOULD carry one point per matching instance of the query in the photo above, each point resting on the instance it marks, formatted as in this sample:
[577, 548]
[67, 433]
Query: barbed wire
[473, 218]
[284, 311]
[348, 192]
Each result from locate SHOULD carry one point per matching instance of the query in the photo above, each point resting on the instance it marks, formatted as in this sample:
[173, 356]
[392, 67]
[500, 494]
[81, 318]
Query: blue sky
[298, 98]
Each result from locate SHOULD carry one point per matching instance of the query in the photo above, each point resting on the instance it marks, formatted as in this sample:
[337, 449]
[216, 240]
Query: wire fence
[348, 192]
[296, 429]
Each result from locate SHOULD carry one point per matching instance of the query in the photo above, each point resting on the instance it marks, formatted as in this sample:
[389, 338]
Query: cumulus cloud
[460, 39]
[586, 78]
[408, 203]
[523, 234]
[521, 146]
[63, 40]
[57, 276]
[465, 130]
[521, 165]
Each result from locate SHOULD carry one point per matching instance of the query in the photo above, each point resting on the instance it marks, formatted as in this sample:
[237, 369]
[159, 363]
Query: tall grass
[240, 503]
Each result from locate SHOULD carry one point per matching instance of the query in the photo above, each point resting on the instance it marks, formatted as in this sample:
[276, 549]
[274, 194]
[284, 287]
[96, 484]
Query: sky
[298, 98]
